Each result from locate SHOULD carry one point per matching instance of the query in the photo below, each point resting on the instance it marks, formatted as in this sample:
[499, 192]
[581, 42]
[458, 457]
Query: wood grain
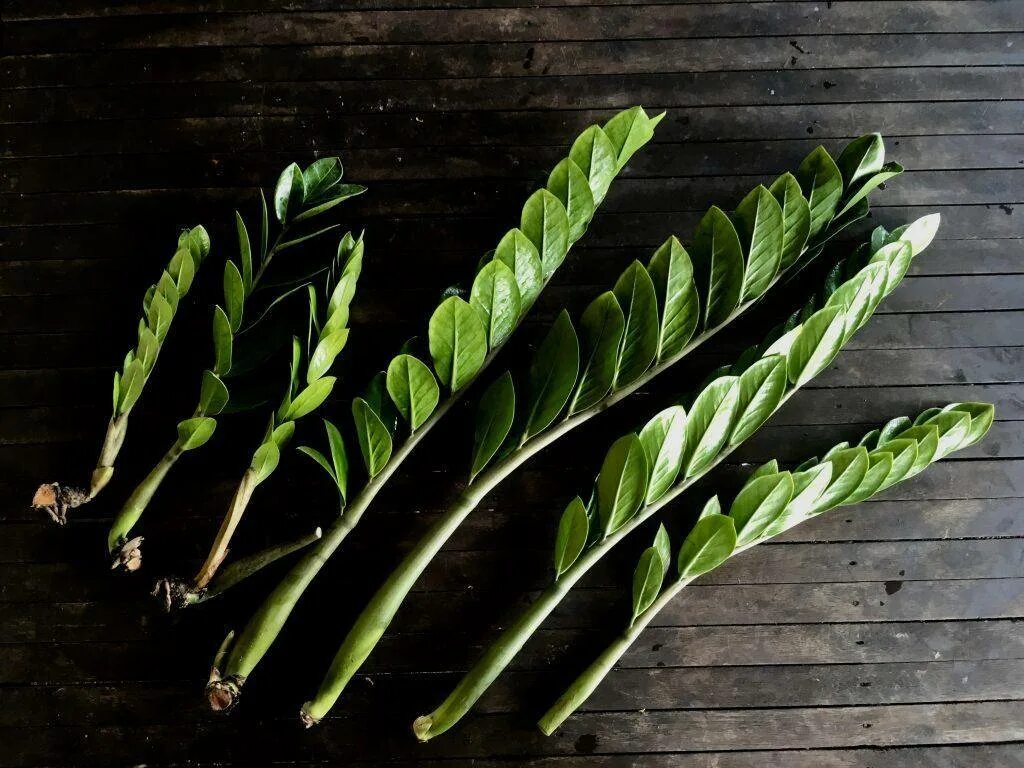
[885, 634]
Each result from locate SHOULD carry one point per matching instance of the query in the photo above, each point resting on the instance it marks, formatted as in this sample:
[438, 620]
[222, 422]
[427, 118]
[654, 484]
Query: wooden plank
[192, 169]
[506, 127]
[585, 23]
[786, 442]
[472, 234]
[344, 737]
[664, 90]
[990, 301]
[75, 9]
[829, 727]
[863, 645]
[28, 539]
[896, 563]
[831, 685]
[489, 197]
[705, 688]
[536, 58]
[853, 368]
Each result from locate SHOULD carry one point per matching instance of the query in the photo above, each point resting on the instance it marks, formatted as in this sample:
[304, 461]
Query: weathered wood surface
[888, 634]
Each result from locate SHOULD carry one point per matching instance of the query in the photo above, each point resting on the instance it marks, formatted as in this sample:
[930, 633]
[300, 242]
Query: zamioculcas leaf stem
[308, 387]
[240, 280]
[845, 476]
[627, 341]
[159, 308]
[463, 338]
[724, 413]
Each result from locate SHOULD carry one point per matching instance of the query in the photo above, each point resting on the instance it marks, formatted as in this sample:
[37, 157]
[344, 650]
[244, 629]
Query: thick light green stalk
[364, 635]
[242, 656]
[117, 537]
[501, 652]
[591, 677]
[870, 284]
[630, 131]
[379, 612]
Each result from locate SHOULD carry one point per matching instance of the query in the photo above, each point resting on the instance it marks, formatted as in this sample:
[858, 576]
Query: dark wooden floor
[886, 635]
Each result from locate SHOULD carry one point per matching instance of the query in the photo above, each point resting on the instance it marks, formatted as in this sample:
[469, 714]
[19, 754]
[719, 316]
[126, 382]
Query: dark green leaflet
[495, 414]
[672, 274]
[573, 530]
[639, 346]
[622, 483]
[759, 223]
[718, 264]
[551, 376]
[822, 185]
[601, 327]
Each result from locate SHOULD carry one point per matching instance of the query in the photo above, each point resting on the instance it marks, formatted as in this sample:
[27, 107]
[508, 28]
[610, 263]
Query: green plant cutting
[299, 196]
[770, 503]
[463, 338]
[159, 308]
[654, 317]
[645, 470]
[309, 385]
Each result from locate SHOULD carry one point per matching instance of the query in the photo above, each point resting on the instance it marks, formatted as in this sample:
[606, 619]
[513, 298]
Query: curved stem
[263, 628]
[514, 637]
[375, 618]
[245, 567]
[227, 529]
[140, 498]
[112, 442]
[268, 621]
[588, 680]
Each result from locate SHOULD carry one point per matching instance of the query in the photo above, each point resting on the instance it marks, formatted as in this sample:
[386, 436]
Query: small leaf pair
[303, 194]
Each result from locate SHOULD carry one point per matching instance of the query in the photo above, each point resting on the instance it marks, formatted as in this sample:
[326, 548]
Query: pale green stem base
[228, 525]
[375, 618]
[266, 624]
[591, 677]
[139, 500]
[112, 442]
